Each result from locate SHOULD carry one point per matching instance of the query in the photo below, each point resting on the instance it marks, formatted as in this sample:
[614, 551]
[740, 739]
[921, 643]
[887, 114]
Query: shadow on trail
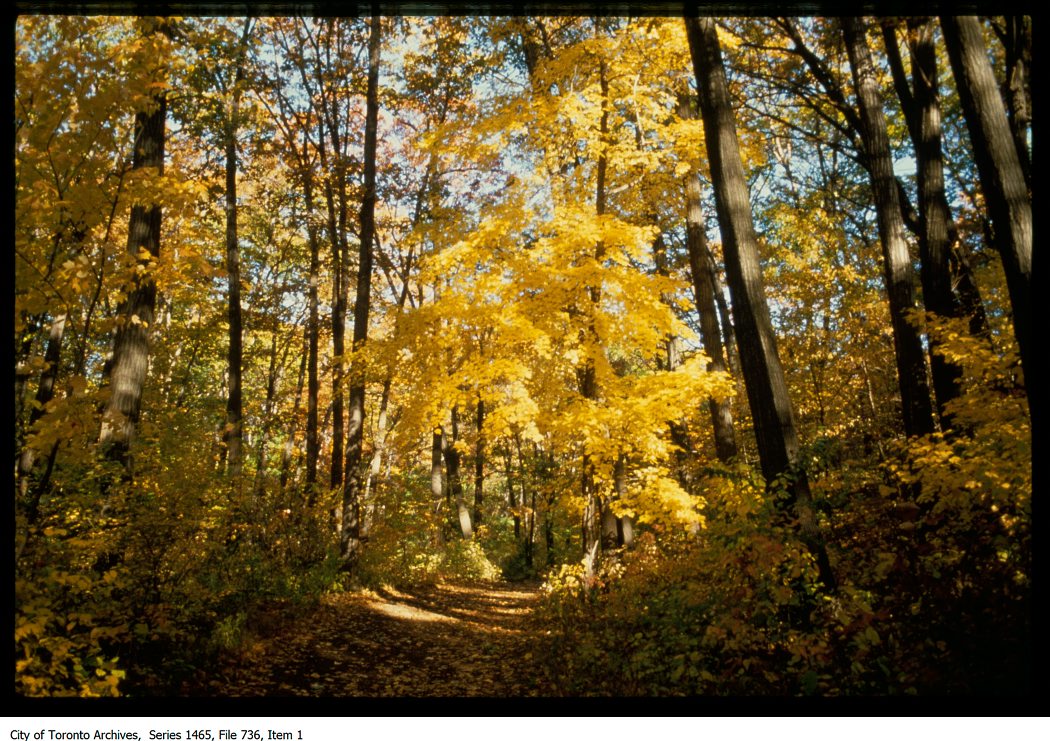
[446, 640]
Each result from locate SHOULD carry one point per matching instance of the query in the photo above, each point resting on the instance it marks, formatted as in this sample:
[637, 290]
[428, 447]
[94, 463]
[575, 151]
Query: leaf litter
[440, 640]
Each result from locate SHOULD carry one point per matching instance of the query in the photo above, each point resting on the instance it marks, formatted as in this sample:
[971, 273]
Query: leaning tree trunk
[1000, 170]
[29, 490]
[898, 274]
[355, 474]
[126, 369]
[767, 393]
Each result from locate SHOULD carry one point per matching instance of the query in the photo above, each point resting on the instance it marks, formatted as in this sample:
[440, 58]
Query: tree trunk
[338, 318]
[375, 465]
[911, 366]
[479, 462]
[127, 367]
[704, 275]
[259, 485]
[683, 453]
[771, 407]
[30, 491]
[530, 539]
[511, 494]
[351, 535]
[233, 434]
[999, 167]
[436, 492]
[289, 443]
[455, 482]
[922, 111]
[1018, 47]
[313, 446]
[591, 532]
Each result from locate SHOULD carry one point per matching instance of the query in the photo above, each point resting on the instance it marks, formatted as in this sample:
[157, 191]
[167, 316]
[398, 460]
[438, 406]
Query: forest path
[443, 640]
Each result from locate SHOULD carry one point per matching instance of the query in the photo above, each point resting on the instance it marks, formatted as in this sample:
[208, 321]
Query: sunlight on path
[437, 640]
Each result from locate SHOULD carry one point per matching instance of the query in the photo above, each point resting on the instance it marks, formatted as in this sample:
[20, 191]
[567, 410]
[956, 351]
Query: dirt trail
[442, 640]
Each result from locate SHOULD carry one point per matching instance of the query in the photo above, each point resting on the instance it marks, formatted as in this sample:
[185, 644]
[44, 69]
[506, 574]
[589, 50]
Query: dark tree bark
[1002, 176]
[455, 481]
[917, 409]
[704, 277]
[126, 370]
[591, 531]
[351, 534]
[1016, 35]
[29, 490]
[922, 112]
[512, 503]
[530, 538]
[771, 408]
[338, 316]
[479, 462]
[313, 446]
[851, 125]
[923, 115]
[233, 434]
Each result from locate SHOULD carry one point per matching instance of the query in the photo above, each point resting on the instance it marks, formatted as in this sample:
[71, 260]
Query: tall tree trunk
[233, 434]
[771, 407]
[911, 366]
[338, 317]
[704, 275]
[313, 445]
[127, 367]
[591, 532]
[1002, 176]
[853, 130]
[923, 114]
[351, 534]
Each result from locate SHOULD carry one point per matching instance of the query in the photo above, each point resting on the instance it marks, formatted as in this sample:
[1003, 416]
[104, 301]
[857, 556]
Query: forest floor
[442, 640]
